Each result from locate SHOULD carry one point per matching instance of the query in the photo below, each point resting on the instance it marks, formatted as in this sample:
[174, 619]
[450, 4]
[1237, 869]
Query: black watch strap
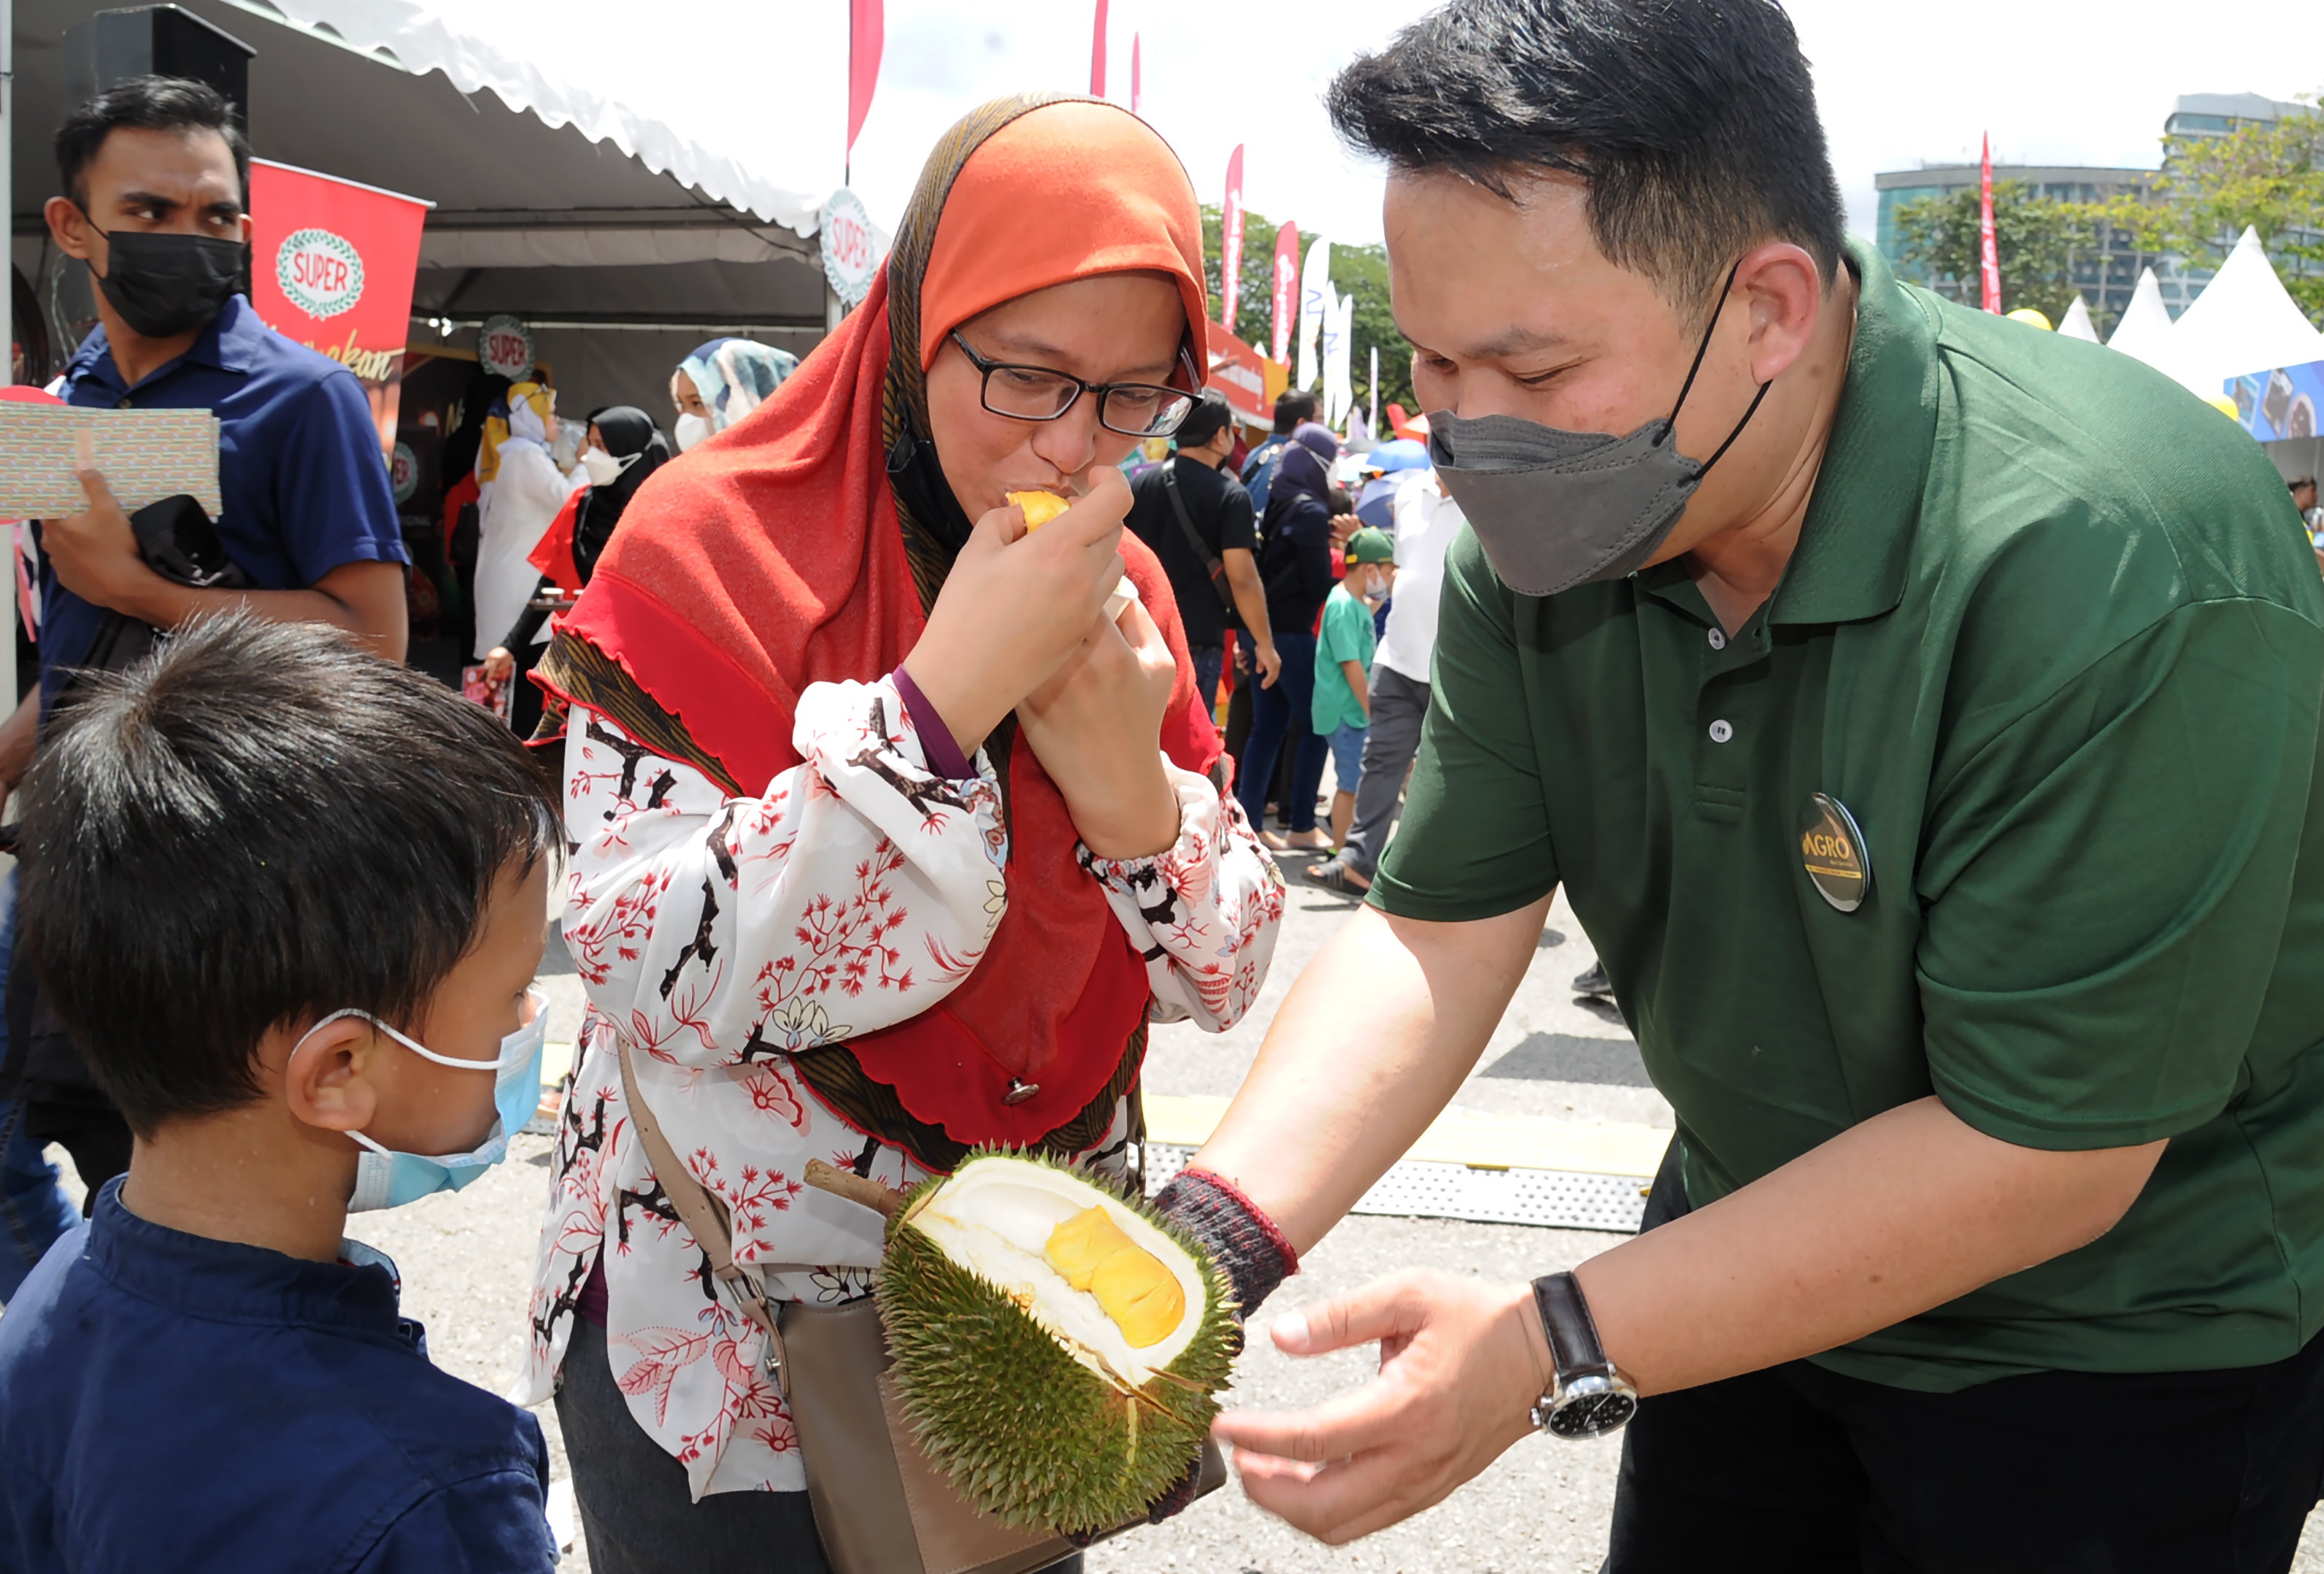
[1573, 1346]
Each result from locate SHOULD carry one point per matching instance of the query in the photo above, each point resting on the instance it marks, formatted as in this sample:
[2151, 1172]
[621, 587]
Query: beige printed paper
[144, 456]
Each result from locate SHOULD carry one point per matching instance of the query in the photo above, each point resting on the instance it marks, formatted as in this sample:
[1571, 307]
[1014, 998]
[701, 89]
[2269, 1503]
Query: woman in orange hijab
[890, 842]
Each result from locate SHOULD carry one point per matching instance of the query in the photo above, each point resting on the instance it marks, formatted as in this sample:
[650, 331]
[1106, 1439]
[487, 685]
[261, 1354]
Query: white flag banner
[1343, 351]
[1327, 357]
[1314, 306]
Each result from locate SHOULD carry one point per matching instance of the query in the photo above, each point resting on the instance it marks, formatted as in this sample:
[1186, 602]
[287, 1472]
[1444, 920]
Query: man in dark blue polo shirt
[154, 172]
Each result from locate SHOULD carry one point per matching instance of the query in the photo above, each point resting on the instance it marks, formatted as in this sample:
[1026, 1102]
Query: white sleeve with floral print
[720, 934]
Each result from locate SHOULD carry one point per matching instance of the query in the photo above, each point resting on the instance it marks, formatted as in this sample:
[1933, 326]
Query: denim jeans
[1280, 714]
[1209, 661]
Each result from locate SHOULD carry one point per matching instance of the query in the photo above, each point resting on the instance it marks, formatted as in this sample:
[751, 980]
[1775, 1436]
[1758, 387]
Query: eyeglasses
[1039, 394]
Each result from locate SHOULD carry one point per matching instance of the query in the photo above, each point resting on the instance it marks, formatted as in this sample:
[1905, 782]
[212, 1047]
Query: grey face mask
[1555, 509]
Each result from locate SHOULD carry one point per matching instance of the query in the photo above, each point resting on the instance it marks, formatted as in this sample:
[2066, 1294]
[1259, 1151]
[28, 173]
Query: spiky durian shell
[1026, 1432]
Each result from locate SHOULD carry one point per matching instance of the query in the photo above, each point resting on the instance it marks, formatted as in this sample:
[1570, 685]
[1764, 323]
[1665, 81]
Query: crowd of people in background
[1310, 610]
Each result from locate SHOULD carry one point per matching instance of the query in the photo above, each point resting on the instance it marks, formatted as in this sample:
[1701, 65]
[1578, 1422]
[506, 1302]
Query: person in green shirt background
[1920, 714]
[1341, 711]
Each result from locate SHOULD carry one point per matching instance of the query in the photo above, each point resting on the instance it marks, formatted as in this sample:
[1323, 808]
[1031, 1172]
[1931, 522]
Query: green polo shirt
[2047, 636]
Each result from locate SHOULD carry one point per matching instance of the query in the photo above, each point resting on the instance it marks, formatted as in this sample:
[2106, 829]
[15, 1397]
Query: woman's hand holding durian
[1096, 726]
[1020, 626]
[1014, 605]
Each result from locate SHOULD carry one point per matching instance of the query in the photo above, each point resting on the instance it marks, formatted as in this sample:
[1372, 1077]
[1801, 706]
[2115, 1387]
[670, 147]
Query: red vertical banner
[1231, 241]
[1989, 265]
[1097, 54]
[867, 35]
[1136, 76]
[331, 266]
[1286, 289]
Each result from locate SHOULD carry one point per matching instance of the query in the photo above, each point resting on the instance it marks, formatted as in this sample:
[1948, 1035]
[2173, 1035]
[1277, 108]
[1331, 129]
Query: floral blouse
[721, 933]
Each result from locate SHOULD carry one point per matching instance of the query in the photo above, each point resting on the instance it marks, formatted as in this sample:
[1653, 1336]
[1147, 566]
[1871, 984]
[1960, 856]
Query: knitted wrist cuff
[936, 743]
[1245, 1243]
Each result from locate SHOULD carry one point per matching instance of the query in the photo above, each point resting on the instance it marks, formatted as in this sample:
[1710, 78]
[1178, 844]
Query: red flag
[333, 266]
[1990, 265]
[1137, 75]
[1286, 288]
[1231, 241]
[867, 34]
[1097, 55]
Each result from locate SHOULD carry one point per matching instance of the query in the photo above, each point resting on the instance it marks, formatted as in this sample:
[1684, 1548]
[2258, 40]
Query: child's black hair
[262, 824]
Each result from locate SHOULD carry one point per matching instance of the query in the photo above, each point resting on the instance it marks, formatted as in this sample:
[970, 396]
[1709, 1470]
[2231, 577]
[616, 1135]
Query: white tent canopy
[2244, 321]
[618, 186]
[2145, 325]
[2076, 323]
[655, 84]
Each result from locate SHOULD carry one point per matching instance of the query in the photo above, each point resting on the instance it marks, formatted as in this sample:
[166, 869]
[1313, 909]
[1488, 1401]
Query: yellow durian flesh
[1040, 507]
[1141, 1296]
[1078, 1245]
[998, 1219]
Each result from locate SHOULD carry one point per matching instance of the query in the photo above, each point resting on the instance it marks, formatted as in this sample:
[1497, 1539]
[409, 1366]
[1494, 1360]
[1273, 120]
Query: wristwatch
[1588, 1396]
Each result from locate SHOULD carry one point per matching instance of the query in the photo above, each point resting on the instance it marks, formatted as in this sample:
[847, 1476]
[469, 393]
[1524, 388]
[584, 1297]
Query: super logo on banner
[332, 264]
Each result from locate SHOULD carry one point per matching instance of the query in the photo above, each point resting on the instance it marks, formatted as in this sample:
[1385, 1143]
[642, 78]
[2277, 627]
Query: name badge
[1832, 851]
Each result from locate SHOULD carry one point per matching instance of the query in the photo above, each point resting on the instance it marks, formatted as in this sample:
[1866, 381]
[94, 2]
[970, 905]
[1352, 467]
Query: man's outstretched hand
[1462, 1361]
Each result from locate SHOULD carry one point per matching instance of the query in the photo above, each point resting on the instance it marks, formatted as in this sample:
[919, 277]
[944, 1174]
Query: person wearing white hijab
[723, 382]
[521, 490]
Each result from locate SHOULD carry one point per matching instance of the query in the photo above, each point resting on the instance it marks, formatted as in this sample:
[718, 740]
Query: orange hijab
[778, 554]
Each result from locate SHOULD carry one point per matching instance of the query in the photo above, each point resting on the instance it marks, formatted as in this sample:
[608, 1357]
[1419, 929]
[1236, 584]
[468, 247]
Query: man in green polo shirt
[1923, 725]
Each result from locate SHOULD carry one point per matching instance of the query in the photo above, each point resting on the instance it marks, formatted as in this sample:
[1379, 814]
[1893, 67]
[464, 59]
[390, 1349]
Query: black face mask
[164, 284]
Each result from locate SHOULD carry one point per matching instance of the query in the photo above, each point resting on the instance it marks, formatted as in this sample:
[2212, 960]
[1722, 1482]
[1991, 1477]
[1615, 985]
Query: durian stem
[857, 1189]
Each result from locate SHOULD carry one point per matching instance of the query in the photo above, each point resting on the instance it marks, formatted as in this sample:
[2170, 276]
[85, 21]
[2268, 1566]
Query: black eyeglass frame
[984, 390]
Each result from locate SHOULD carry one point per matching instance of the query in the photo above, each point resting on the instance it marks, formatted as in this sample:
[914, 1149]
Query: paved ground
[467, 1260]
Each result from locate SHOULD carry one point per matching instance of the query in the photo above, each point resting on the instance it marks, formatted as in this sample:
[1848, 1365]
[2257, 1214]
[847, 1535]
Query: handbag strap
[1203, 554]
[705, 1218]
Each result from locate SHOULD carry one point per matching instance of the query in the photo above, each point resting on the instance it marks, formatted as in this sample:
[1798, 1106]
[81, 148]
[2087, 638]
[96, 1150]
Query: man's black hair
[261, 825]
[145, 103]
[1693, 122]
[2303, 481]
[1211, 415]
[1293, 407]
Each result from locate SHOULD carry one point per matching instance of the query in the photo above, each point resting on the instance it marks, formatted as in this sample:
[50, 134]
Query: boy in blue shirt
[1341, 711]
[289, 898]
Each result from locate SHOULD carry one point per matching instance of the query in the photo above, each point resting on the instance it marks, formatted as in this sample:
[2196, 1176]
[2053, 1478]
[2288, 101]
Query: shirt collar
[227, 343]
[1850, 562]
[228, 1281]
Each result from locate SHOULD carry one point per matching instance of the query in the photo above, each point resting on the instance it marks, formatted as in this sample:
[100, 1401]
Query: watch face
[1592, 1415]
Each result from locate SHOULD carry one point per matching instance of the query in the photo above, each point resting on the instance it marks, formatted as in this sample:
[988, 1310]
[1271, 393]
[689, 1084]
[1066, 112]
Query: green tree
[1359, 273]
[2262, 175]
[2035, 239]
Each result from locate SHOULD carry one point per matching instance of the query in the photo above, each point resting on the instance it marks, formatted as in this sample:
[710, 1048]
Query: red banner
[867, 35]
[331, 266]
[1231, 239]
[1990, 265]
[1286, 288]
[1097, 54]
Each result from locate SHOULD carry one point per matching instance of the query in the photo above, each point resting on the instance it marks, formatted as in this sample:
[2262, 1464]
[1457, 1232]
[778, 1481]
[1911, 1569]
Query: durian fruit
[1057, 1347]
[1040, 507]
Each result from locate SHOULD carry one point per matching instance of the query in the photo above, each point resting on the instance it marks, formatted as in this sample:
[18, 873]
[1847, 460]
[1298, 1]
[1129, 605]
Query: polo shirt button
[1720, 732]
[1717, 640]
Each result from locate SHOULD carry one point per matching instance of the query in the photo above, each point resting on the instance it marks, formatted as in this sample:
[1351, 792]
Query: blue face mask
[387, 1179]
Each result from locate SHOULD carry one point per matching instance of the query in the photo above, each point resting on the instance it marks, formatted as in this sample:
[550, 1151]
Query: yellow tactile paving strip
[1482, 1141]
